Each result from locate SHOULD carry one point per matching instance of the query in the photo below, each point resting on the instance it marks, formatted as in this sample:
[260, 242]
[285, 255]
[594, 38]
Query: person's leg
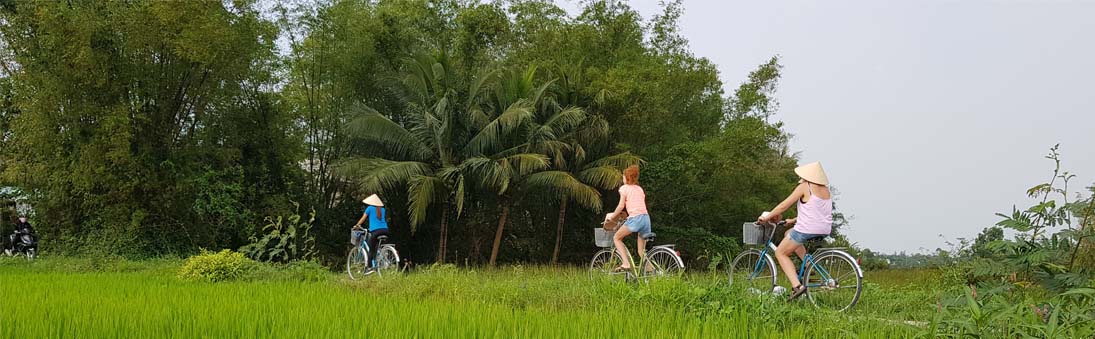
[644, 228]
[618, 239]
[783, 256]
[372, 245]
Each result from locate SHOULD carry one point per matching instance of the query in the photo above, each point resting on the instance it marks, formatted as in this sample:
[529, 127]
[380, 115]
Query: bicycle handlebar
[780, 223]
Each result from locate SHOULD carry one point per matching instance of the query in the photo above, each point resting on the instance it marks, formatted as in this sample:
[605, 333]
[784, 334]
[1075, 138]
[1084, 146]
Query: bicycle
[357, 260]
[660, 261]
[832, 277]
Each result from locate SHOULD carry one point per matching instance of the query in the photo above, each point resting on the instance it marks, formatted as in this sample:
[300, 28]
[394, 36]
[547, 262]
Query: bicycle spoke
[839, 293]
[753, 271]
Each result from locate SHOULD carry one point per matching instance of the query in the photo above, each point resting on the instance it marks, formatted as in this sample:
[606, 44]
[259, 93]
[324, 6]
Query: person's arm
[775, 213]
[619, 207]
[362, 220]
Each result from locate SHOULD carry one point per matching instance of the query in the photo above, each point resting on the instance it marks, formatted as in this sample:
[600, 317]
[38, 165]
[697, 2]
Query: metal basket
[602, 237]
[356, 236]
[753, 234]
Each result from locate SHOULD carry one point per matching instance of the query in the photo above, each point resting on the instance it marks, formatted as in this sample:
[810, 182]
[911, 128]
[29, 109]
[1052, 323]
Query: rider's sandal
[797, 291]
[621, 269]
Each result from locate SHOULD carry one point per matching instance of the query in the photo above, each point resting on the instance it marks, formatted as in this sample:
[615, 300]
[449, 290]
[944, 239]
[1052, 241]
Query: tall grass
[440, 302]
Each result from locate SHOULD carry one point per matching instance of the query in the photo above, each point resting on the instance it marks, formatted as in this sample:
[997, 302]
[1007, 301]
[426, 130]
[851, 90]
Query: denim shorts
[638, 224]
[801, 238]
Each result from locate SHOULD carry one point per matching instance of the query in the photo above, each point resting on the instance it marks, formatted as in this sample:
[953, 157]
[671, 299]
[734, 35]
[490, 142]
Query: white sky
[930, 116]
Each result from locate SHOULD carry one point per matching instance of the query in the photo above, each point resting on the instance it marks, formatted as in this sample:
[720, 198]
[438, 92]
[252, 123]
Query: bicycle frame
[808, 259]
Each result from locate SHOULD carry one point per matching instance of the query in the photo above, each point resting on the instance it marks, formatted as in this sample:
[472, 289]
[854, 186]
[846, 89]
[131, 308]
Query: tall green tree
[425, 154]
[124, 105]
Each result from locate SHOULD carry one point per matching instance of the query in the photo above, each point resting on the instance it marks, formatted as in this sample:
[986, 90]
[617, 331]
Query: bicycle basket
[356, 236]
[753, 234]
[602, 237]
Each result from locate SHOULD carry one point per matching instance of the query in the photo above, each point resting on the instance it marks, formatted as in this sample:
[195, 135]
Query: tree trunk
[498, 233]
[559, 232]
[443, 243]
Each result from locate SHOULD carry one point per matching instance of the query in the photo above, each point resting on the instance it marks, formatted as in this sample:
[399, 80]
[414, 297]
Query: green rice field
[55, 297]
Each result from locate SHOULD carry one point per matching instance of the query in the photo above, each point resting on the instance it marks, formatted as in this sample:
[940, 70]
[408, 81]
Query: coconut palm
[424, 153]
[588, 159]
[521, 161]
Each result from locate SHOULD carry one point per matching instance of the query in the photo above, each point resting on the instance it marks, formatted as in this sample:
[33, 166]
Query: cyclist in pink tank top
[633, 200]
[815, 219]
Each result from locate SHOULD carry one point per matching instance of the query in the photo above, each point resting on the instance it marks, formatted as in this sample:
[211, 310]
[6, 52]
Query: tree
[427, 153]
[124, 105]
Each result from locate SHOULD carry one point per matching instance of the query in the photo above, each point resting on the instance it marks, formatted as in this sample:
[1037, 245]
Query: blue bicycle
[358, 261]
[832, 277]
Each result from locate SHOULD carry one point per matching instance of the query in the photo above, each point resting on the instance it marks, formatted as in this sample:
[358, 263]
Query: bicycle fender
[858, 270]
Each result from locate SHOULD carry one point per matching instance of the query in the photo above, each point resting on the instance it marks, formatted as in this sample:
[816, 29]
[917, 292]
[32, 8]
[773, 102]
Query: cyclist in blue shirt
[376, 215]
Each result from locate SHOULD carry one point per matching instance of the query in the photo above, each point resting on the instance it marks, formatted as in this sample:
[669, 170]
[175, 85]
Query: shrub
[285, 239]
[208, 266]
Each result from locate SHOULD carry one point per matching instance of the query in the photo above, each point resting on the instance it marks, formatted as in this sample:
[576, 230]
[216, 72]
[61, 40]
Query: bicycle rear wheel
[755, 270]
[603, 263]
[387, 260]
[661, 262]
[357, 263]
[833, 281]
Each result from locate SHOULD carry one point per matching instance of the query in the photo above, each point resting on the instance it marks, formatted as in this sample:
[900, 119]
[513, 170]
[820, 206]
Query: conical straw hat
[373, 200]
[813, 172]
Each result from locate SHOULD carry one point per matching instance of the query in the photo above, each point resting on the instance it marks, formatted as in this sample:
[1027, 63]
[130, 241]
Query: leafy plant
[1045, 248]
[285, 239]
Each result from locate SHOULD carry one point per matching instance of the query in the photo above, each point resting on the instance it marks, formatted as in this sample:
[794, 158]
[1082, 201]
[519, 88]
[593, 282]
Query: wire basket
[753, 234]
[356, 236]
[602, 237]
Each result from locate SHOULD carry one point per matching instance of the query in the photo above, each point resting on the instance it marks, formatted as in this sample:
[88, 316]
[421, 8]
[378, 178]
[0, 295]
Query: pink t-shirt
[634, 199]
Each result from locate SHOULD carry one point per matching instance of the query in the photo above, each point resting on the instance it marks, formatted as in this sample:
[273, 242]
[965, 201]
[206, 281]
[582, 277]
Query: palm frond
[491, 135]
[371, 125]
[603, 177]
[380, 175]
[621, 160]
[422, 193]
[563, 185]
[559, 125]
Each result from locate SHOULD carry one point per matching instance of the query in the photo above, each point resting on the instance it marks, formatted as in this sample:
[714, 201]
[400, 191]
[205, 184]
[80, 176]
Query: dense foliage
[494, 131]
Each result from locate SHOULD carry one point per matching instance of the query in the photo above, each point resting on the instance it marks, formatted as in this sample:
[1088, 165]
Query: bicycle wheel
[603, 263]
[755, 271]
[833, 281]
[387, 260]
[661, 262]
[357, 263]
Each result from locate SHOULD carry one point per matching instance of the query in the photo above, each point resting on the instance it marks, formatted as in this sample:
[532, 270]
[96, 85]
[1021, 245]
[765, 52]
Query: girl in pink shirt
[633, 199]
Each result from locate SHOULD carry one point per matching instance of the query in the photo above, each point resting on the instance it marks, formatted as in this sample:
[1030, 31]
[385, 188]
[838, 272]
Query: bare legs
[783, 256]
[622, 249]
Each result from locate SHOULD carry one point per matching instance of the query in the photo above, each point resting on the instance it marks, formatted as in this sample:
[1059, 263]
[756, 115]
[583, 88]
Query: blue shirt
[371, 217]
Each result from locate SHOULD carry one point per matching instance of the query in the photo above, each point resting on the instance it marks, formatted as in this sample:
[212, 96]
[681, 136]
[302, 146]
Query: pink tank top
[634, 200]
[816, 215]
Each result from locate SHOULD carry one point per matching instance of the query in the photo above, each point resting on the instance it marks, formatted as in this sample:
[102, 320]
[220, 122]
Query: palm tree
[516, 162]
[425, 151]
[588, 160]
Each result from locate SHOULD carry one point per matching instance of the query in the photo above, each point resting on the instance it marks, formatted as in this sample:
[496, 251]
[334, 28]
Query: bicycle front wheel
[603, 263]
[754, 270]
[387, 260]
[833, 281]
[662, 262]
[357, 262]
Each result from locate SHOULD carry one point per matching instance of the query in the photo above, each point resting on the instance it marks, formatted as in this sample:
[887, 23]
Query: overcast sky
[929, 116]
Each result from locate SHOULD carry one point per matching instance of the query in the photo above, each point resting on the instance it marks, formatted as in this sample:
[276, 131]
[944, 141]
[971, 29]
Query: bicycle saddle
[648, 236]
[382, 238]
